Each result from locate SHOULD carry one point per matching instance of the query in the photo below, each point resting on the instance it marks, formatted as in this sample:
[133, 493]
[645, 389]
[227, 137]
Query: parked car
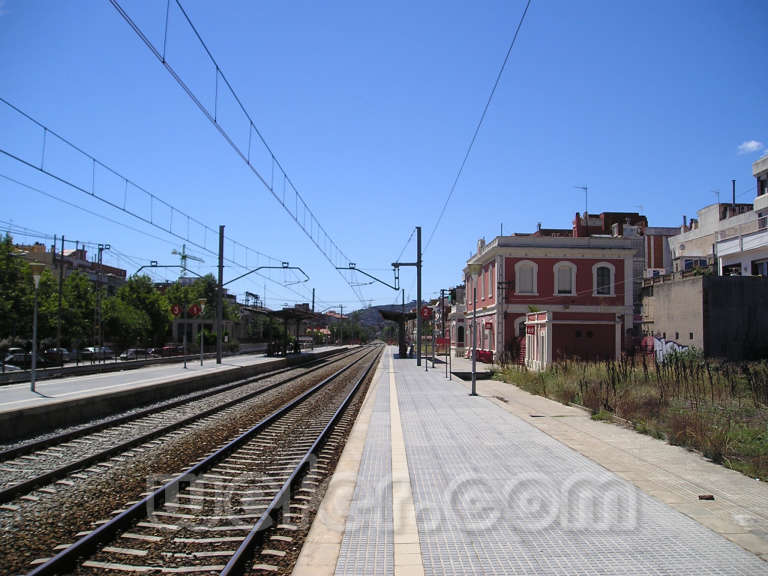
[96, 353]
[17, 357]
[9, 368]
[56, 355]
[23, 360]
[171, 350]
[134, 354]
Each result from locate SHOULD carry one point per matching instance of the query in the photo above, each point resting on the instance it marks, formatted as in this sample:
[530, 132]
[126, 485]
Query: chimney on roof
[733, 195]
[685, 221]
[538, 226]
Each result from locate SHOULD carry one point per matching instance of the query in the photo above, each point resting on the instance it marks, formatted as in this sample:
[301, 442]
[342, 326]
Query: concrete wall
[722, 316]
[735, 311]
[674, 311]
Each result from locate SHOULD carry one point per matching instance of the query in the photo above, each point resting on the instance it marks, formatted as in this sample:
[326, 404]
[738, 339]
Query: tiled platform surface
[495, 495]
[367, 546]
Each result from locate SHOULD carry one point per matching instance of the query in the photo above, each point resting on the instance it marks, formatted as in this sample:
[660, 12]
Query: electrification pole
[397, 266]
[418, 295]
[61, 281]
[220, 297]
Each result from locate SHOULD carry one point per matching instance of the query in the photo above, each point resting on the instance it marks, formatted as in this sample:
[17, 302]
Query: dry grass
[718, 408]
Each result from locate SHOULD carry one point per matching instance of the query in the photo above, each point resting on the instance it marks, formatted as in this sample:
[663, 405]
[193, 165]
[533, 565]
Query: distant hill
[371, 317]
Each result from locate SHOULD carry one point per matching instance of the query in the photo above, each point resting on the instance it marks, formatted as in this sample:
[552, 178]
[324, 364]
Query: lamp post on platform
[474, 270]
[37, 269]
[202, 302]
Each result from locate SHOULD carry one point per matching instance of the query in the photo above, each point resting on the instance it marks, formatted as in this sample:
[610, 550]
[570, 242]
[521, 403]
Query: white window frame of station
[612, 285]
[490, 281]
[535, 271]
[570, 266]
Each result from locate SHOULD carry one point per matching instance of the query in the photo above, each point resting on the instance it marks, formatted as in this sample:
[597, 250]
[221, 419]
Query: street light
[202, 309]
[474, 270]
[37, 269]
[101, 248]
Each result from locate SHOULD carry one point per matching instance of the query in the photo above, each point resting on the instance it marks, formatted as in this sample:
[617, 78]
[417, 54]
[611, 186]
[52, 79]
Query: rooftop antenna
[586, 189]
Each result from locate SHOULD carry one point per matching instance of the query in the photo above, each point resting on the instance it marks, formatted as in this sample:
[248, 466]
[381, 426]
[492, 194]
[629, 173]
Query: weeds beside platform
[719, 408]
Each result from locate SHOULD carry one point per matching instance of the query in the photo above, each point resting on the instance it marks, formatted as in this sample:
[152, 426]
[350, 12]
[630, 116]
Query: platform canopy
[400, 318]
[397, 316]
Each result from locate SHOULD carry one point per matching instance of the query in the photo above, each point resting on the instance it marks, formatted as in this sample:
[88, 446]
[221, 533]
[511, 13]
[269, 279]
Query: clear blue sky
[370, 108]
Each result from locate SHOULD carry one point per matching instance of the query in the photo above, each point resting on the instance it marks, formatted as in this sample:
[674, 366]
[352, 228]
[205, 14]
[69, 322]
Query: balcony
[748, 236]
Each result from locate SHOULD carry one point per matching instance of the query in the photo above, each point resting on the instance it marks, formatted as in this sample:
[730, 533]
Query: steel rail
[21, 488]
[35, 445]
[67, 558]
[238, 563]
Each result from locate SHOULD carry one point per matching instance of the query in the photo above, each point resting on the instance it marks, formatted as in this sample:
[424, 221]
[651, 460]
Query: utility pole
[61, 282]
[418, 295]
[220, 297]
[313, 300]
[341, 325]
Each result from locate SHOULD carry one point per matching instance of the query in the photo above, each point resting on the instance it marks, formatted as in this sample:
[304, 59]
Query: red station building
[583, 283]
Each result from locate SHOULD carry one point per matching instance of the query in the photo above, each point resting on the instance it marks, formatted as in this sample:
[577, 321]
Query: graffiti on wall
[660, 347]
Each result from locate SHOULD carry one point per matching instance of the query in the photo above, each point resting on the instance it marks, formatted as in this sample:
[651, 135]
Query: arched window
[603, 279]
[565, 279]
[525, 277]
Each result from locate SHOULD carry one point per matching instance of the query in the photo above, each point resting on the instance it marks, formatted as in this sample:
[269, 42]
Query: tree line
[135, 314]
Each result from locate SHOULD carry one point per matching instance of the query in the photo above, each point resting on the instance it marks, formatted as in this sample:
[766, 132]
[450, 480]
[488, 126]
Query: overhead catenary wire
[87, 211]
[323, 242]
[477, 128]
[94, 193]
[153, 236]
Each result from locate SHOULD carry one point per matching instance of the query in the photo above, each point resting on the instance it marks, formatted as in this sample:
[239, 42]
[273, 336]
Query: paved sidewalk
[18, 396]
[671, 474]
[492, 494]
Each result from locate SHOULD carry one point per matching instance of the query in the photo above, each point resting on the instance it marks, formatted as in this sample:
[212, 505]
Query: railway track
[214, 516]
[28, 466]
[22, 447]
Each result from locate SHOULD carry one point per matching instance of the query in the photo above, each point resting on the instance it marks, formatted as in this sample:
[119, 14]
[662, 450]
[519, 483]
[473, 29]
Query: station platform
[74, 398]
[434, 481]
